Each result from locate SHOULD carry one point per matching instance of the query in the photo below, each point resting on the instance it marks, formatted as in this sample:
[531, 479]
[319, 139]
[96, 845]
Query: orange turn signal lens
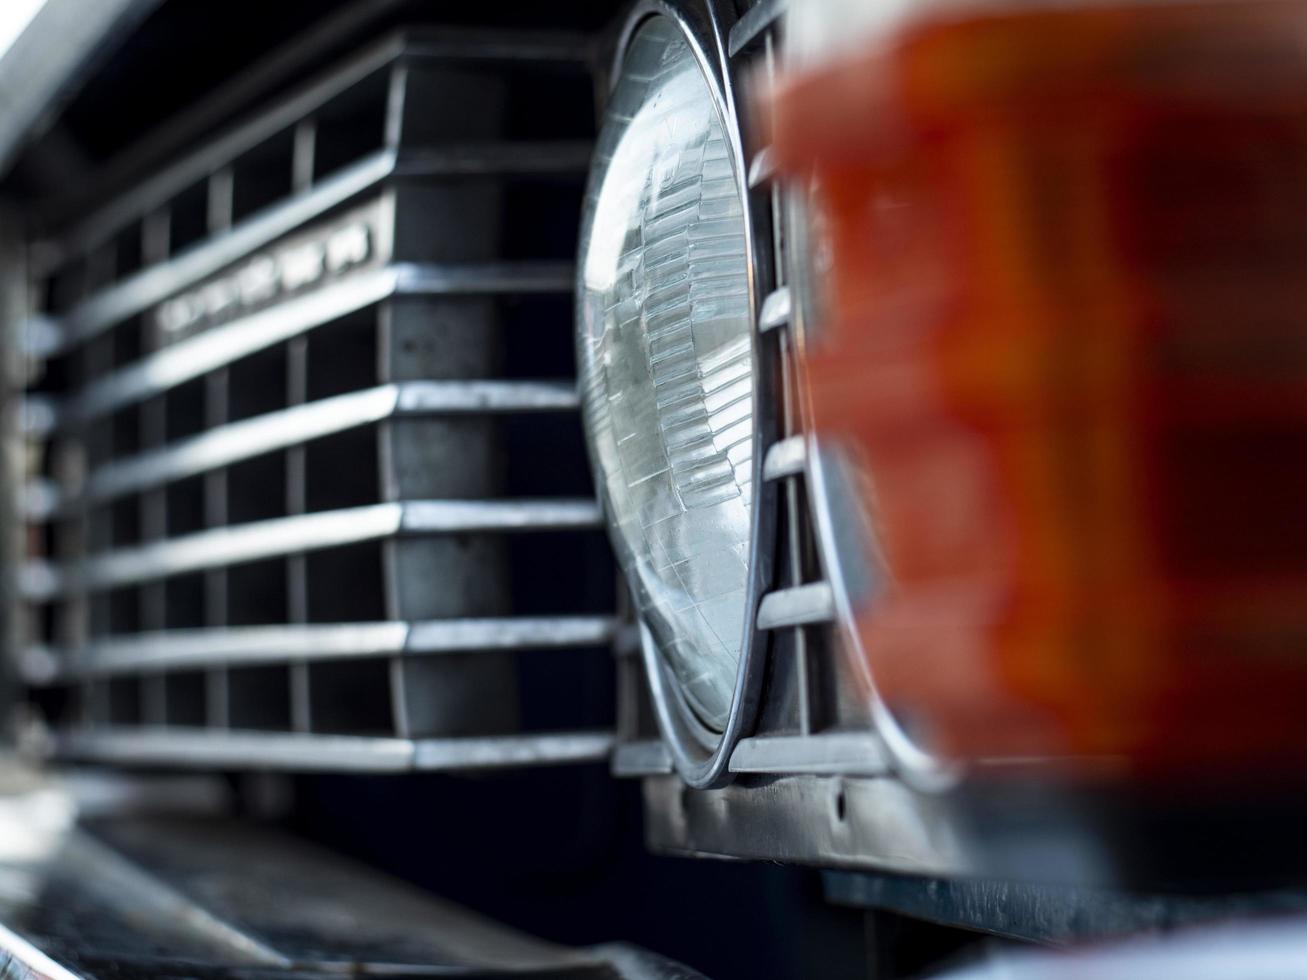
[1065, 328]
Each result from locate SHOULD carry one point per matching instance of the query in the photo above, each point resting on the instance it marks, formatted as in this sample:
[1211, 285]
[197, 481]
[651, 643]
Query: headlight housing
[669, 374]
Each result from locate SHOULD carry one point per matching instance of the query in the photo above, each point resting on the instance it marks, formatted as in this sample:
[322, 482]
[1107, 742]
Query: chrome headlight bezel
[699, 753]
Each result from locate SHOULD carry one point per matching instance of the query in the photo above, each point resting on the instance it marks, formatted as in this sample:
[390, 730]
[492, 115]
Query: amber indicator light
[1067, 331]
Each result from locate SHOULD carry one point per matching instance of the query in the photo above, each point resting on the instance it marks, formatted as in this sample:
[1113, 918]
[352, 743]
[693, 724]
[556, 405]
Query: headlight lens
[665, 351]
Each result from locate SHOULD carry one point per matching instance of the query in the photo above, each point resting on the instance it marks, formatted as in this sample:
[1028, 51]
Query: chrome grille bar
[447, 44]
[235, 750]
[785, 458]
[331, 753]
[310, 532]
[796, 606]
[219, 347]
[156, 283]
[776, 310]
[833, 754]
[299, 424]
[250, 645]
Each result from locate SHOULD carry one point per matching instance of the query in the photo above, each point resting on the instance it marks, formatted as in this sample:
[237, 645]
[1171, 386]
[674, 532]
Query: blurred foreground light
[666, 359]
[1062, 338]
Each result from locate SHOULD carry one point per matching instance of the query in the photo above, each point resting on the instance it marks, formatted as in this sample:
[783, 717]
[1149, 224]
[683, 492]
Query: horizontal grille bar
[336, 753]
[799, 606]
[762, 167]
[830, 754]
[252, 645]
[304, 423]
[777, 309]
[155, 284]
[200, 164]
[449, 44]
[307, 532]
[645, 758]
[38, 580]
[826, 754]
[785, 458]
[220, 346]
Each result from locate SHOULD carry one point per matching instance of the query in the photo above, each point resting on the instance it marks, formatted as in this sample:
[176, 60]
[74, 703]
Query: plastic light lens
[666, 360]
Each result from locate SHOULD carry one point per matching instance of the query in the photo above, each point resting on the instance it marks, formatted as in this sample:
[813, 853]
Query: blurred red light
[1067, 333]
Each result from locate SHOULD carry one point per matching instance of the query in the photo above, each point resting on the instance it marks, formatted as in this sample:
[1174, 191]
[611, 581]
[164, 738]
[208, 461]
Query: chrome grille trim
[446, 44]
[154, 284]
[457, 516]
[785, 458]
[860, 754]
[252, 645]
[220, 346]
[853, 754]
[239, 441]
[648, 757]
[481, 754]
[776, 310]
[330, 753]
[38, 580]
[799, 605]
[243, 543]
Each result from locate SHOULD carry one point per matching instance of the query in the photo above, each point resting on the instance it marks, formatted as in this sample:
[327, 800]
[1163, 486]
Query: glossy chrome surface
[220, 346]
[799, 605]
[236, 646]
[785, 458]
[241, 750]
[310, 532]
[776, 309]
[304, 423]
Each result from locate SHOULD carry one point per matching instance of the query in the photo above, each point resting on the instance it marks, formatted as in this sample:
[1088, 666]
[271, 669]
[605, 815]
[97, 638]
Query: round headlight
[667, 363]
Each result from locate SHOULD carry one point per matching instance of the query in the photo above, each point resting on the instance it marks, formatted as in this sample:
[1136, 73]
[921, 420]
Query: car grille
[307, 486]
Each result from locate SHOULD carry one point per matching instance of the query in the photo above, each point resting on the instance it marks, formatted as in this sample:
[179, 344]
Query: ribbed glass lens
[666, 361]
